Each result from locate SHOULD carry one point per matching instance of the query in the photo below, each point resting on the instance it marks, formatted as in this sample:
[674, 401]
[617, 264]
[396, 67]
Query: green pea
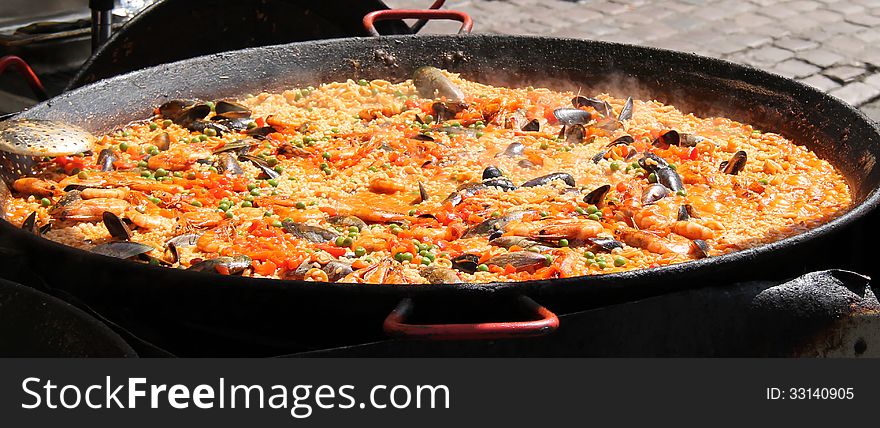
[347, 241]
[300, 206]
[146, 174]
[763, 181]
[161, 172]
[142, 164]
[373, 169]
[255, 192]
[229, 214]
[363, 82]
[353, 229]
[166, 123]
[589, 255]
[592, 209]
[681, 192]
[563, 242]
[482, 268]
[340, 241]
[213, 169]
[549, 260]
[594, 217]
[326, 155]
[177, 174]
[480, 134]
[194, 140]
[619, 261]
[580, 210]
[45, 202]
[545, 146]
[412, 213]
[276, 223]
[191, 176]
[246, 204]
[614, 166]
[360, 251]
[272, 182]
[123, 147]
[251, 186]
[544, 213]
[652, 178]
[196, 203]
[602, 264]
[210, 132]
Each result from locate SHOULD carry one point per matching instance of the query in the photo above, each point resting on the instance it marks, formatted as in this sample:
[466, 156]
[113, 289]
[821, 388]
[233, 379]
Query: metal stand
[101, 21]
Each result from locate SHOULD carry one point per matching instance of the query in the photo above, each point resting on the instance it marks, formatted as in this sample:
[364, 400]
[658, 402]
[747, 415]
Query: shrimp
[92, 209]
[94, 193]
[375, 241]
[214, 240]
[692, 230]
[648, 219]
[655, 244]
[385, 186]
[36, 186]
[201, 219]
[553, 230]
[373, 215]
[178, 158]
[148, 221]
[384, 272]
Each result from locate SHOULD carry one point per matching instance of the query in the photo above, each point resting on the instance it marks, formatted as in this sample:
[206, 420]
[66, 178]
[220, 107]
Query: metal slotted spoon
[23, 141]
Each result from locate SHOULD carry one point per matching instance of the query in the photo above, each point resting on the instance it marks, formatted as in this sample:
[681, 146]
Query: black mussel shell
[466, 263]
[597, 196]
[540, 181]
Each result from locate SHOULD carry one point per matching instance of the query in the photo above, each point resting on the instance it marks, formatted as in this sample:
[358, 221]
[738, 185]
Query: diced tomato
[332, 249]
[260, 122]
[265, 268]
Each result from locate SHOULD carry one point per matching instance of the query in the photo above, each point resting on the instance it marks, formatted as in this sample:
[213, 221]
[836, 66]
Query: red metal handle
[25, 70]
[547, 322]
[369, 19]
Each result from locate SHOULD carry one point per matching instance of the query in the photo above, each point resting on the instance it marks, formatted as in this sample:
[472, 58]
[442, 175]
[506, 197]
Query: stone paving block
[770, 54]
[749, 40]
[868, 36]
[856, 93]
[820, 57]
[608, 8]
[778, 11]
[799, 23]
[873, 80]
[823, 15]
[863, 19]
[772, 30]
[872, 110]
[869, 3]
[842, 27]
[848, 8]
[871, 56]
[844, 73]
[752, 19]
[845, 44]
[582, 14]
[795, 68]
[803, 5]
[821, 82]
[795, 44]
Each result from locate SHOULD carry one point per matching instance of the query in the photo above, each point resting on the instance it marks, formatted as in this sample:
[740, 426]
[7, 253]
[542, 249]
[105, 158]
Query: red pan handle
[547, 322]
[25, 70]
[369, 19]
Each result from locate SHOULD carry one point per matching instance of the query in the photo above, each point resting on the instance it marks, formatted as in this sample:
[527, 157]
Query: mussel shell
[172, 109]
[513, 149]
[201, 125]
[161, 141]
[30, 224]
[520, 260]
[116, 226]
[347, 221]
[605, 244]
[532, 125]
[525, 163]
[235, 265]
[172, 254]
[651, 162]
[599, 156]
[238, 146]
[601, 106]
[122, 249]
[423, 193]
[106, 157]
[540, 181]
[669, 138]
[597, 196]
[575, 134]
[736, 163]
[309, 233]
[439, 275]
[261, 164]
[520, 241]
[260, 132]
[572, 116]
[466, 263]
[422, 137]
[492, 225]
[231, 110]
[690, 140]
[191, 114]
[699, 249]
[654, 193]
[669, 178]
[464, 191]
[186, 240]
[626, 112]
[491, 172]
[337, 270]
[625, 139]
[502, 183]
[226, 162]
[686, 212]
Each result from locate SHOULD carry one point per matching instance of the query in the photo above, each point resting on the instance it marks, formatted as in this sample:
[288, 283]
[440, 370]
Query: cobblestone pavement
[829, 44]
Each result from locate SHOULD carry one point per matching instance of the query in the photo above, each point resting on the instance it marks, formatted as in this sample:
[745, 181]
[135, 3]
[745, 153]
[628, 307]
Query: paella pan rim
[704, 266]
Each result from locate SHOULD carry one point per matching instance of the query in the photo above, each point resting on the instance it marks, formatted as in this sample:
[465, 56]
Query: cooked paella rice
[435, 179]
